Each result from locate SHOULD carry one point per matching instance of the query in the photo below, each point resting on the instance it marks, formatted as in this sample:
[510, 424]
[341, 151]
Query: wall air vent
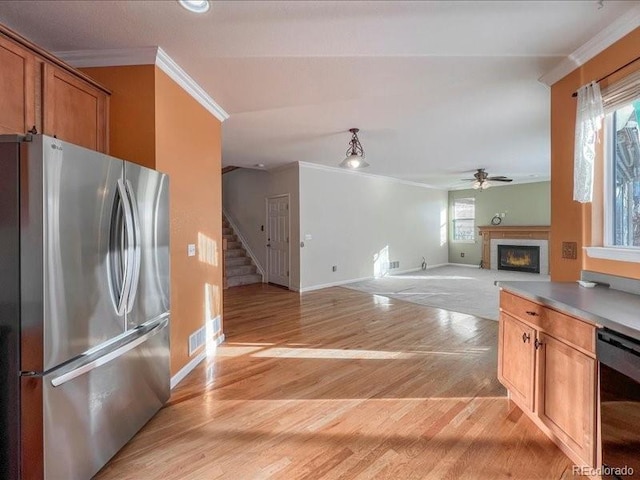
[199, 338]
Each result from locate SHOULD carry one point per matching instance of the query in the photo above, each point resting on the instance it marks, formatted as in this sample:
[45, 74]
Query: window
[464, 219]
[623, 168]
[620, 208]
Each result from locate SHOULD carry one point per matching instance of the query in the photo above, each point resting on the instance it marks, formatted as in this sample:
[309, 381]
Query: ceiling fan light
[477, 185]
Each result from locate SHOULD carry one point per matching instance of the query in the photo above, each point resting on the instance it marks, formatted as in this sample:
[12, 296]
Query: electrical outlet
[334, 268]
[462, 254]
[191, 250]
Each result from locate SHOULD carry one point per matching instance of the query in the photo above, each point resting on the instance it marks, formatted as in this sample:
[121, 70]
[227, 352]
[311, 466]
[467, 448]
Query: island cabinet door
[516, 360]
[566, 401]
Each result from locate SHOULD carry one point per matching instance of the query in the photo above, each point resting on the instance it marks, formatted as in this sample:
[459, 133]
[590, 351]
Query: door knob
[538, 344]
[526, 337]
[268, 244]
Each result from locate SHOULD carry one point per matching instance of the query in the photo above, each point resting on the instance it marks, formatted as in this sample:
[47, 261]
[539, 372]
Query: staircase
[239, 269]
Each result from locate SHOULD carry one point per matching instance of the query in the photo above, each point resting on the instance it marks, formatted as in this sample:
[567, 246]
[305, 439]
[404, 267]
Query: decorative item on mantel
[355, 153]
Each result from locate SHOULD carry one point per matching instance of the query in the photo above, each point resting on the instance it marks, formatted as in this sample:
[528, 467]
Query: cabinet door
[74, 110]
[516, 359]
[17, 102]
[567, 395]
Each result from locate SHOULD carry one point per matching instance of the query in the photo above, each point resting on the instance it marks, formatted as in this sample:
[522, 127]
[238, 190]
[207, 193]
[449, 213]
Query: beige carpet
[459, 289]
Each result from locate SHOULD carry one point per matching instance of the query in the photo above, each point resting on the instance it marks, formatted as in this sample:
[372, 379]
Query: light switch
[191, 250]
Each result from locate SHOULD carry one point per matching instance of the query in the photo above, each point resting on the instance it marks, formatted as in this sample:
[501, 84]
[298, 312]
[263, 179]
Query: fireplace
[520, 258]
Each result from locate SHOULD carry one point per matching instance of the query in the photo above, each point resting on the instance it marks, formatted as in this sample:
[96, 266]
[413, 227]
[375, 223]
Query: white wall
[352, 218]
[244, 194]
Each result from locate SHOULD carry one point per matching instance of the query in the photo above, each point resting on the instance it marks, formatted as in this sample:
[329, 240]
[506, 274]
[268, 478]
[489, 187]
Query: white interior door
[278, 240]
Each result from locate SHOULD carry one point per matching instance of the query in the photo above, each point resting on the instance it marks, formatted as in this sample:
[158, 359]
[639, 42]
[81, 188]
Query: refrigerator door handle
[135, 269]
[129, 248]
[118, 257]
[110, 356]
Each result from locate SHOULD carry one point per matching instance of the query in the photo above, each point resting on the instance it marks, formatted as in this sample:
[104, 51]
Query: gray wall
[244, 194]
[350, 217]
[525, 204]
[358, 222]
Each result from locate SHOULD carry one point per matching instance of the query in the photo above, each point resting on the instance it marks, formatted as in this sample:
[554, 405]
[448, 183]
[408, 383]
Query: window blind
[621, 93]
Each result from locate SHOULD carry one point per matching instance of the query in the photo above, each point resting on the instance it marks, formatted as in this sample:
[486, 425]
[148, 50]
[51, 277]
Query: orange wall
[188, 148]
[155, 123]
[131, 111]
[571, 221]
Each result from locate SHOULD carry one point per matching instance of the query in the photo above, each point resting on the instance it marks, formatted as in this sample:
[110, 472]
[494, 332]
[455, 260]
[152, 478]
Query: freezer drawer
[92, 409]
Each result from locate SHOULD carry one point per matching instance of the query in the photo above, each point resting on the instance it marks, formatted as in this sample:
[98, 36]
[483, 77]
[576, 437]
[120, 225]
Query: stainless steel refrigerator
[84, 306]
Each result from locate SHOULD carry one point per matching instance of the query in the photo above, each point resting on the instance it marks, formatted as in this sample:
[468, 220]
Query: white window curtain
[589, 115]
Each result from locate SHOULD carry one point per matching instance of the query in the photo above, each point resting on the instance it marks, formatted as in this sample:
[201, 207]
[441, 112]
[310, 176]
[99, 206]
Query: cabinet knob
[531, 313]
[537, 344]
[526, 337]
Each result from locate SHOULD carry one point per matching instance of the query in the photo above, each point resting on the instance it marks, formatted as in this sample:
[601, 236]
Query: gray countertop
[601, 306]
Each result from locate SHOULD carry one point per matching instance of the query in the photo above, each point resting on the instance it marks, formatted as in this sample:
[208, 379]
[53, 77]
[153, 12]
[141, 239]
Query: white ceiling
[437, 88]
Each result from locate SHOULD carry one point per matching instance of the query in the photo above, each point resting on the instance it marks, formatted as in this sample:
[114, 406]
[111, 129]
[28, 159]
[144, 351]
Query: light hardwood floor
[341, 384]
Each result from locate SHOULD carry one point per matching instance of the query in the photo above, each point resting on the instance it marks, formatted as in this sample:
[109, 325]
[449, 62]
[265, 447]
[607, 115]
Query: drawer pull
[538, 344]
[526, 337]
[532, 313]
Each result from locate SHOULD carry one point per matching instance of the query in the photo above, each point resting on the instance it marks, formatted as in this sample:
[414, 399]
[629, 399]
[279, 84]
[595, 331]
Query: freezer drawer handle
[98, 362]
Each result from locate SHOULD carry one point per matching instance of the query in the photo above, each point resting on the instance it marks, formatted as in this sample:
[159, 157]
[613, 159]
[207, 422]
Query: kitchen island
[547, 356]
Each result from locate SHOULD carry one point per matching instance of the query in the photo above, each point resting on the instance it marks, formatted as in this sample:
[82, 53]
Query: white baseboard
[468, 265]
[354, 280]
[402, 272]
[436, 265]
[193, 363]
[332, 284]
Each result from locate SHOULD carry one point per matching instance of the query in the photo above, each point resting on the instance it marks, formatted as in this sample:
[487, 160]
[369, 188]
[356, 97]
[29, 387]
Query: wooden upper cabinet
[566, 401]
[73, 110]
[17, 88]
[516, 359]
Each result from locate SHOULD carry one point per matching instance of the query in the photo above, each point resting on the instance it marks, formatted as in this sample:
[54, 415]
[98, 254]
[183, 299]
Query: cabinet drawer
[521, 308]
[564, 327]
[570, 330]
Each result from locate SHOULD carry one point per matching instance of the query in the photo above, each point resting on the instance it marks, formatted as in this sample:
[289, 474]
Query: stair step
[229, 237]
[236, 270]
[235, 261]
[243, 280]
[227, 231]
[233, 245]
[236, 252]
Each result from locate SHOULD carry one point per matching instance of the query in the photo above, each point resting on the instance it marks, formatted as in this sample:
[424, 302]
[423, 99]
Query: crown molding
[145, 56]
[316, 166]
[604, 39]
[182, 78]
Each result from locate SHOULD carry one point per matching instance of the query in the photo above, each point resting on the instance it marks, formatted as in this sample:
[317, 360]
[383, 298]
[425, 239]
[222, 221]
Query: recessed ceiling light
[196, 6]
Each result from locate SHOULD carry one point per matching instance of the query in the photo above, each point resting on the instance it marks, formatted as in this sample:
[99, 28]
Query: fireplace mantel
[516, 232]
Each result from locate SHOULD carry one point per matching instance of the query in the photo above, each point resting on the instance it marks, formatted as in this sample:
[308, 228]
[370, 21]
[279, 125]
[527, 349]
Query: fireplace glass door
[520, 258]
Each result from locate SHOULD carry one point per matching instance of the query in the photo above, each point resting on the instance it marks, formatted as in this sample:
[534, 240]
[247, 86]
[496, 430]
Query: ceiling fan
[481, 180]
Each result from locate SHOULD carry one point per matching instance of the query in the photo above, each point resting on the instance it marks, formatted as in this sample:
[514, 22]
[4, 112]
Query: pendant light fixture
[355, 153]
